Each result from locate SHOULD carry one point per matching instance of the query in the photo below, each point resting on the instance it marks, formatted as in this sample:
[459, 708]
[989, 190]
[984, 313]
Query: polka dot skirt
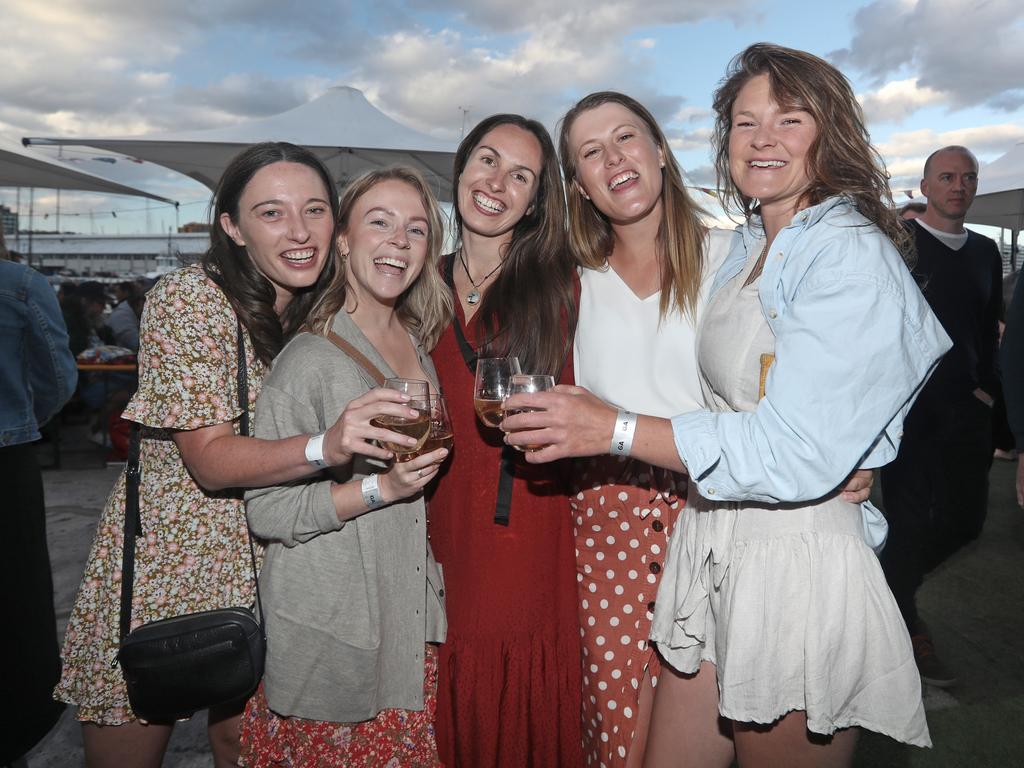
[623, 516]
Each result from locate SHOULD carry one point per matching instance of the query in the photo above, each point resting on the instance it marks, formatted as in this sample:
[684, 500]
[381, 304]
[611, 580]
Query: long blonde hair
[680, 234]
[426, 308]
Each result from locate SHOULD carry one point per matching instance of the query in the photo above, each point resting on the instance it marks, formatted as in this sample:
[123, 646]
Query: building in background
[108, 255]
[8, 221]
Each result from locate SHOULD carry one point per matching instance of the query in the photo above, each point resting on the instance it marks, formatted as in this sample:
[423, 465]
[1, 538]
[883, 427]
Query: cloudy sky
[928, 72]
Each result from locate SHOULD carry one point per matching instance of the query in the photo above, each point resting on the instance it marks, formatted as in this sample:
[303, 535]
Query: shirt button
[658, 526]
[711, 491]
[772, 314]
[650, 606]
[655, 568]
[440, 593]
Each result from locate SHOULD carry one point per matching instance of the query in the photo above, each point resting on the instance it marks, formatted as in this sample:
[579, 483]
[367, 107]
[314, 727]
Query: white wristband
[622, 437]
[371, 492]
[315, 451]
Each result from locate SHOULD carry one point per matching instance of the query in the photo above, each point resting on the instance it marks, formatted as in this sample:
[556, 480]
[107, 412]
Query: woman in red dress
[509, 691]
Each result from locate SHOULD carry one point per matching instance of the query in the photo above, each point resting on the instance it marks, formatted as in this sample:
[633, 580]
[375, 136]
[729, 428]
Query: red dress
[509, 683]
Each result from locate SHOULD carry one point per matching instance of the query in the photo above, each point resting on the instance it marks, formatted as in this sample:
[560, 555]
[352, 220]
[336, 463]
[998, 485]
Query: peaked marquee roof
[1000, 199]
[347, 132]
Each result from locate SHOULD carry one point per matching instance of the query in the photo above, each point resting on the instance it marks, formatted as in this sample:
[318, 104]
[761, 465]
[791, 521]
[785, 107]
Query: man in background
[936, 491]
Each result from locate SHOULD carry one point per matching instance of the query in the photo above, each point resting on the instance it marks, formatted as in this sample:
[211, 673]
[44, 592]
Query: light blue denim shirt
[854, 341]
[37, 369]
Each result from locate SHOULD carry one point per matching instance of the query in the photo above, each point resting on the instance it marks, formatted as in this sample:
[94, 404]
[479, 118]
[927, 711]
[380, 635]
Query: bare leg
[132, 745]
[686, 730]
[644, 704]
[788, 743]
[222, 730]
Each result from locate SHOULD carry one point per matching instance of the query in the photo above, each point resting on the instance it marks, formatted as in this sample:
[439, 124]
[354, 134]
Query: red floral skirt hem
[395, 738]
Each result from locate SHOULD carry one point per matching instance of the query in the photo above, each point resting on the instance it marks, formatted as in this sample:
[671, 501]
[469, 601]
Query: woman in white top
[645, 253]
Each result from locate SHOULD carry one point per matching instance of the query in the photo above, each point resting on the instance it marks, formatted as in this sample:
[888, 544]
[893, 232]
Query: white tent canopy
[347, 132]
[20, 168]
[1000, 199]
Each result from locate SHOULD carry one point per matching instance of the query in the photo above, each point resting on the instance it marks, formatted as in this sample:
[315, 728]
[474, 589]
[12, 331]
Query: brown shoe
[933, 671]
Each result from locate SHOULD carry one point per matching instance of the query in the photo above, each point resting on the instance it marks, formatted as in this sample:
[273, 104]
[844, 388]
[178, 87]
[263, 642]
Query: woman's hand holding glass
[565, 421]
[354, 431]
[524, 383]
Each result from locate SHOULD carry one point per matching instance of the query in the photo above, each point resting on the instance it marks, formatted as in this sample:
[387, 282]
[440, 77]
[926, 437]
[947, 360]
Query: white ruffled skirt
[792, 608]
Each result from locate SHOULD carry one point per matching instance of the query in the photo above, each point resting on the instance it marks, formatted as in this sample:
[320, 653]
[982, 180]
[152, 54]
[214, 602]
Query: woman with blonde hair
[813, 344]
[353, 599]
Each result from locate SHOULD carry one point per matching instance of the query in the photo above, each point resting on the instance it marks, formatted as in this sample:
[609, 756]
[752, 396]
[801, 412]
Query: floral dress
[193, 553]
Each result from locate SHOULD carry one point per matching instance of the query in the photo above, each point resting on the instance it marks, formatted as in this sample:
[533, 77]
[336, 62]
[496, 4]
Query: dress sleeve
[187, 355]
[851, 352]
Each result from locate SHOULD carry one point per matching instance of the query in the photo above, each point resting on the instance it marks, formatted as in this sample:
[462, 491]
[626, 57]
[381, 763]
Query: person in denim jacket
[816, 339]
[37, 376]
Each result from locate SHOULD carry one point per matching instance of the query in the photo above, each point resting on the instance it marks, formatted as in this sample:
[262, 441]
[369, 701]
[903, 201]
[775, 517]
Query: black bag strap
[133, 521]
[506, 470]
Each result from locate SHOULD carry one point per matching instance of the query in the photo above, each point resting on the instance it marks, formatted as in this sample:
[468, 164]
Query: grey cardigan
[349, 606]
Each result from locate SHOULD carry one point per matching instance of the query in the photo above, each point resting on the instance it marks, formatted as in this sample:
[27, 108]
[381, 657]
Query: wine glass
[417, 426]
[523, 383]
[415, 388]
[441, 434]
[491, 388]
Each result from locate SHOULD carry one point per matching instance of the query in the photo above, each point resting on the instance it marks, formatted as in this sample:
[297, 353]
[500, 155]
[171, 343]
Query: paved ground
[972, 603]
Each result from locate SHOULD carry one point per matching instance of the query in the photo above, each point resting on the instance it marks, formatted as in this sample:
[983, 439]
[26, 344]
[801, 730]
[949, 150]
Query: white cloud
[970, 53]
[699, 138]
[982, 140]
[897, 100]
[906, 152]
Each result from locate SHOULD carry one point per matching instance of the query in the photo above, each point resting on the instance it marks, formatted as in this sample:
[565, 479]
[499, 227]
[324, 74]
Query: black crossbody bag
[175, 667]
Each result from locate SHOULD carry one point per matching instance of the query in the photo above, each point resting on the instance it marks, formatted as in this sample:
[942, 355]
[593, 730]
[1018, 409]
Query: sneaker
[933, 671]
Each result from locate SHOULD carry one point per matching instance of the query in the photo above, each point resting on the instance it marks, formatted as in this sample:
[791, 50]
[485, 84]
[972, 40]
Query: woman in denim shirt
[772, 607]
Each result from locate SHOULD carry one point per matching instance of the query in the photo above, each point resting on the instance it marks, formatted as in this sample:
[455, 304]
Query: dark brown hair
[680, 234]
[426, 307]
[841, 159]
[251, 294]
[524, 310]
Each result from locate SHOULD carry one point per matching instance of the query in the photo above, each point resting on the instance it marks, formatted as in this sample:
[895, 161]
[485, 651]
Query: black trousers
[935, 493]
[28, 638]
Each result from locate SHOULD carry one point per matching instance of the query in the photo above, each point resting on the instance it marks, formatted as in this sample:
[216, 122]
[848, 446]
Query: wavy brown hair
[681, 232]
[840, 161]
[251, 294]
[525, 309]
[426, 307]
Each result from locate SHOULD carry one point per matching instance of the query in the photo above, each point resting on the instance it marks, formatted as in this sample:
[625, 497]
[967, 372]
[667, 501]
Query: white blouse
[625, 356]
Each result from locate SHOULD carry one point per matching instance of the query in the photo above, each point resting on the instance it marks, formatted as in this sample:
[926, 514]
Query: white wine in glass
[416, 427]
[528, 382]
[493, 375]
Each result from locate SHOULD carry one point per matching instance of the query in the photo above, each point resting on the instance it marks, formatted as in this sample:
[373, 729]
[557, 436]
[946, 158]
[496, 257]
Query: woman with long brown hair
[772, 607]
[509, 691]
[271, 255]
